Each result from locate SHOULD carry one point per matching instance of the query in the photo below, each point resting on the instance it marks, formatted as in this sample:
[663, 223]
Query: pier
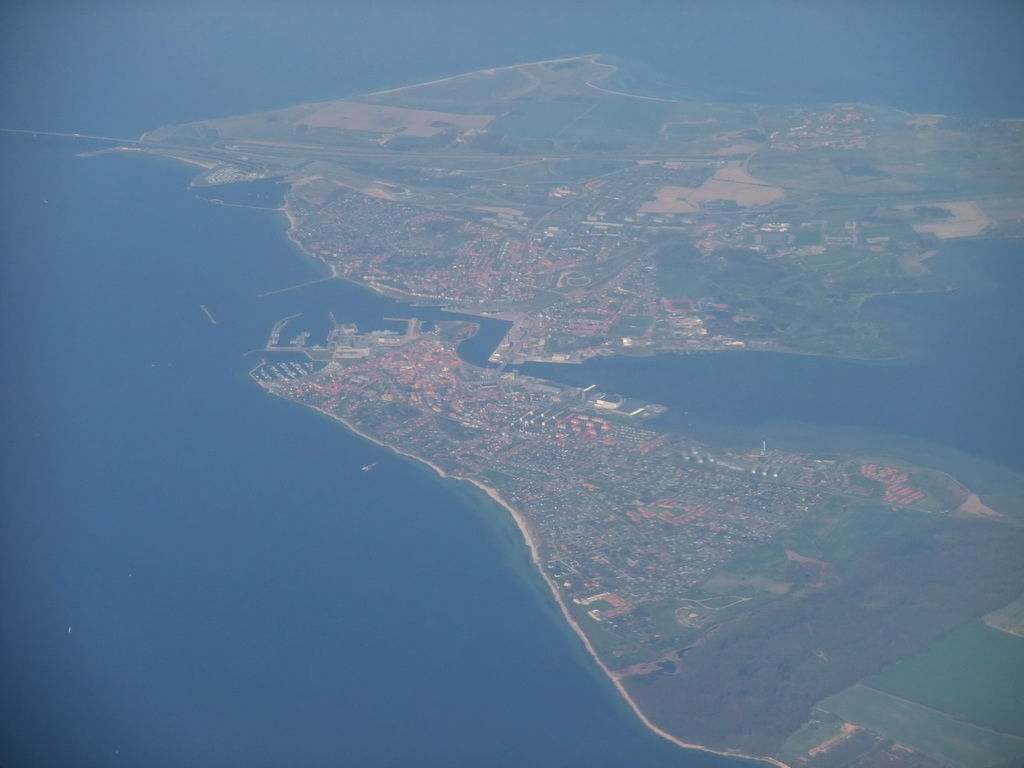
[293, 287]
[275, 332]
[90, 137]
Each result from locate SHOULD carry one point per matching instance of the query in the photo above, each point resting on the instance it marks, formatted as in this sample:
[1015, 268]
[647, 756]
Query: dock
[275, 333]
[292, 287]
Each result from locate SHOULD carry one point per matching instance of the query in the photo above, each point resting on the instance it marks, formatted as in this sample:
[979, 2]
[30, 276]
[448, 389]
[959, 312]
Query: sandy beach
[975, 506]
[592, 57]
[531, 543]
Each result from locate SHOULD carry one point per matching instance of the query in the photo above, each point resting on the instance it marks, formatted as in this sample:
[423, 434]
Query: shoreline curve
[531, 542]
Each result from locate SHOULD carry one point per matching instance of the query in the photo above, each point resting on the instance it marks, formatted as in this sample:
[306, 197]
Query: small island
[749, 600]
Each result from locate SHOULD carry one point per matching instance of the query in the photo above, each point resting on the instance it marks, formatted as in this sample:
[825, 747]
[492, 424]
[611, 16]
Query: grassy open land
[818, 154]
[599, 271]
[810, 736]
[887, 152]
[554, 80]
[617, 123]
[664, 617]
[836, 532]
[617, 651]
[928, 731]
[1001, 488]
[902, 485]
[539, 120]
[681, 273]
[485, 87]
[906, 590]
[681, 620]
[555, 123]
[828, 742]
[802, 304]
[803, 171]
[588, 103]
[975, 673]
[517, 105]
[494, 478]
[628, 114]
[586, 168]
[631, 325]
[626, 76]
[545, 171]
[692, 128]
[528, 172]
[775, 222]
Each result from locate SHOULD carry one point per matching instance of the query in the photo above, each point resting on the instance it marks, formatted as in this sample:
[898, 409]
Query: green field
[798, 305]
[932, 733]
[975, 673]
[632, 325]
[623, 112]
[802, 171]
[836, 532]
[681, 284]
[616, 650]
[666, 614]
[618, 123]
[495, 478]
[584, 168]
[538, 120]
[529, 172]
[808, 737]
[680, 274]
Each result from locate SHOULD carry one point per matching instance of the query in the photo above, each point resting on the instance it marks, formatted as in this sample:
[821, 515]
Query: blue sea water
[953, 401]
[237, 591]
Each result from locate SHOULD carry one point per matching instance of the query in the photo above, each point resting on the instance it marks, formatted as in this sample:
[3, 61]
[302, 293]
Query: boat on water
[368, 467]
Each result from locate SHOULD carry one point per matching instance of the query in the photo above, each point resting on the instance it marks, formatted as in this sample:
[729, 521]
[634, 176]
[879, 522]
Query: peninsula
[747, 601]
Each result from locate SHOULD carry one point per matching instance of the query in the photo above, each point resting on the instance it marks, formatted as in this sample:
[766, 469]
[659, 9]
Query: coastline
[972, 506]
[528, 535]
[490, 71]
[531, 543]
[975, 506]
[181, 155]
[294, 221]
[671, 46]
